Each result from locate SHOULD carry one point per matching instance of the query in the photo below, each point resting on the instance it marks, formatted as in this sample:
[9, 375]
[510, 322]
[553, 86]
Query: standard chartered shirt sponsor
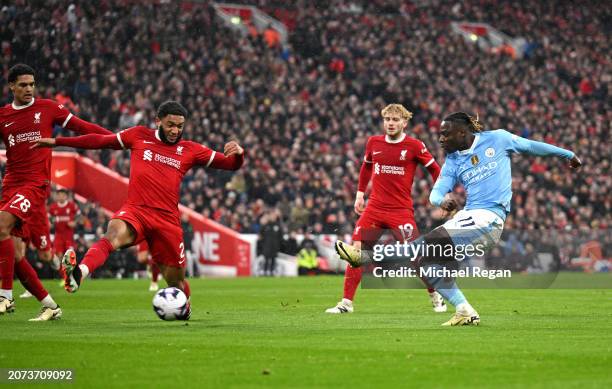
[388, 169]
[168, 161]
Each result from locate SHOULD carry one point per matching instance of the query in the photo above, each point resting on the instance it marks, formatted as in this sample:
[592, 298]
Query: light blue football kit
[485, 172]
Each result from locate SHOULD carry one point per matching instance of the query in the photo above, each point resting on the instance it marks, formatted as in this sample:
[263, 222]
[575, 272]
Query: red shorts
[62, 243]
[161, 230]
[373, 223]
[28, 204]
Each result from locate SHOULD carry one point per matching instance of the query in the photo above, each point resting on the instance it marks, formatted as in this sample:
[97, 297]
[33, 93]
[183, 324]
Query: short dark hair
[171, 107]
[470, 121]
[19, 70]
[62, 190]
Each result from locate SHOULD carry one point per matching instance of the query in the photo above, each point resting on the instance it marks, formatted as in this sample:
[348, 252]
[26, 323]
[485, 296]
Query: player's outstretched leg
[465, 314]
[349, 253]
[118, 234]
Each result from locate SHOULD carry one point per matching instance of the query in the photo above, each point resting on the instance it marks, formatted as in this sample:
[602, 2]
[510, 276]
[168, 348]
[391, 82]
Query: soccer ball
[171, 304]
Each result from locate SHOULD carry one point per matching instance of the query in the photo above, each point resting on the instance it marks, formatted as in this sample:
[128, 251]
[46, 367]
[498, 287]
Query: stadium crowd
[304, 111]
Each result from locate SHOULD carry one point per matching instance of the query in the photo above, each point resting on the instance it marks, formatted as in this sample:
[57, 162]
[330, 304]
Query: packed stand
[304, 112]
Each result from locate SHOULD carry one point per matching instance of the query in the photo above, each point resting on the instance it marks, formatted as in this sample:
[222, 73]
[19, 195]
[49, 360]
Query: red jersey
[20, 125]
[157, 168]
[61, 215]
[394, 164]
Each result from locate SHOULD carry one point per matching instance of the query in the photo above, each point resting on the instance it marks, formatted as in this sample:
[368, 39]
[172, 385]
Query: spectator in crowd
[271, 236]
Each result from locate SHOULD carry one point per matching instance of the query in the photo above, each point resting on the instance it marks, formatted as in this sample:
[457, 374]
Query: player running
[25, 187]
[481, 162]
[393, 158]
[159, 160]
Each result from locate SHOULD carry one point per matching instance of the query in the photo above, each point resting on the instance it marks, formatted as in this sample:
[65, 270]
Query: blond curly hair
[397, 109]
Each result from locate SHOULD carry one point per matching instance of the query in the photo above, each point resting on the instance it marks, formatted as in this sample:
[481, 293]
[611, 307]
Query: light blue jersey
[485, 172]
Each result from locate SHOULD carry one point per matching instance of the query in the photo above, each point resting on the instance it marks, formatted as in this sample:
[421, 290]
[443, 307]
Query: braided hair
[470, 121]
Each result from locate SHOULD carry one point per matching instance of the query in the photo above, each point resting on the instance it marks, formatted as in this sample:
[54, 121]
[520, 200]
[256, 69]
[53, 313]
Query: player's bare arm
[232, 148]
[359, 202]
[43, 142]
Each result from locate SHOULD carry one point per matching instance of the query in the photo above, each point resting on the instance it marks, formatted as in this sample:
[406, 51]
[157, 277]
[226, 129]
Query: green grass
[273, 332]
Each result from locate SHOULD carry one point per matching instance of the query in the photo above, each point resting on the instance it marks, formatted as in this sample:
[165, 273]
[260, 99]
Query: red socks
[97, 254]
[7, 263]
[29, 279]
[352, 278]
[186, 288]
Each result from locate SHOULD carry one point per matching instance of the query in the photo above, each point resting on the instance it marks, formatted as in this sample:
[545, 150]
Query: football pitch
[256, 332]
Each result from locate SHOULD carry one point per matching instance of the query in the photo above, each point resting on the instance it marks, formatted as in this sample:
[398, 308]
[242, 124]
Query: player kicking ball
[159, 160]
[390, 162]
[481, 162]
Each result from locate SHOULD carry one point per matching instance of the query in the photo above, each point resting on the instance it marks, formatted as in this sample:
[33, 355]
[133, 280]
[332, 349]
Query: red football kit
[390, 164]
[156, 172]
[25, 186]
[62, 214]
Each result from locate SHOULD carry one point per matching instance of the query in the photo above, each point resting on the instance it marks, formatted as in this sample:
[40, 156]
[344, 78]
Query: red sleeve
[364, 176]
[127, 137]
[75, 209]
[210, 158]
[368, 153]
[91, 141]
[83, 127]
[423, 155]
[63, 117]
[434, 170]
[220, 161]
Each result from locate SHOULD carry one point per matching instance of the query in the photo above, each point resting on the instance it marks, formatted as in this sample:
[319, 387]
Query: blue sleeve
[444, 184]
[516, 144]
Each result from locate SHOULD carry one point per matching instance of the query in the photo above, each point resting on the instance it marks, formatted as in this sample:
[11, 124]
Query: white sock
[7, 293]
[49, 302]
[55, 263]
[465, 308]
[347, 302]
[84, 271]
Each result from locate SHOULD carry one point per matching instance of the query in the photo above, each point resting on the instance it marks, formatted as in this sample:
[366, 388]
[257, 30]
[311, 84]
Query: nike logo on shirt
[8, 124]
